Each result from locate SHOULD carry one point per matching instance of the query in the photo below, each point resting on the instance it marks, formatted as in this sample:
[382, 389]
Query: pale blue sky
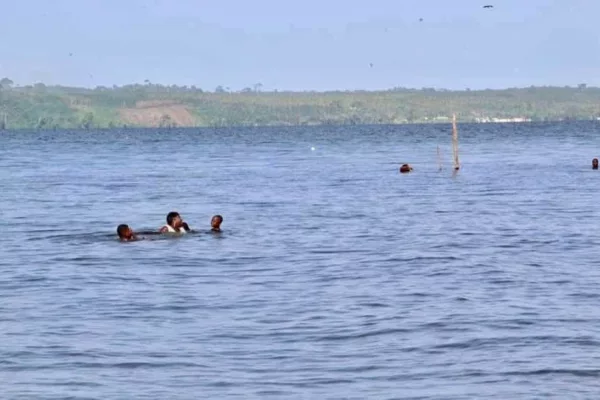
[302, 45]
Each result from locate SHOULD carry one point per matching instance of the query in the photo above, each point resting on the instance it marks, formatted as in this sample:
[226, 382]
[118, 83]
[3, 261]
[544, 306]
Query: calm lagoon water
[335, 277]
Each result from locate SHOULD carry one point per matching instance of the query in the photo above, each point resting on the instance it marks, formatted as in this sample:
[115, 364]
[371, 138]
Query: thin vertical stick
[455, 143]
[439, 159]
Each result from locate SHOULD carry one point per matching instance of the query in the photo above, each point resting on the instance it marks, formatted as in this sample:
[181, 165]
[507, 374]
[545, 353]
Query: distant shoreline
[133, 128]
[157, 106]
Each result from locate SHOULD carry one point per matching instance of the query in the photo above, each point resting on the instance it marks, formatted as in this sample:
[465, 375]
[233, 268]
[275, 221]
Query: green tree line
[46, 107]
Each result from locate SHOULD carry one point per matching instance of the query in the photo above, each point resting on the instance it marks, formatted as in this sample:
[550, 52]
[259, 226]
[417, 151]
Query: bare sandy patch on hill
[151, 113]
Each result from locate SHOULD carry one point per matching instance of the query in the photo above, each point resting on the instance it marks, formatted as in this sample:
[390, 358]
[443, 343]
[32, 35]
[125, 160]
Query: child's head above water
[125, 232]
[175, 224]
[174, 219]
[216, 222]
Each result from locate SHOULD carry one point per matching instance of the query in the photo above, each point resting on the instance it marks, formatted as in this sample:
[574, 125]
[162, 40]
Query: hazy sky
[308, 44]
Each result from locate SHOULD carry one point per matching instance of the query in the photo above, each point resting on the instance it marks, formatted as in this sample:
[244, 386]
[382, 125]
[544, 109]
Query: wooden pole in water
[439, 159]
[455, 143]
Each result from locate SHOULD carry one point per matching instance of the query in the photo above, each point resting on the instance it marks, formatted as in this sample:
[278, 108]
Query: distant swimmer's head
[595, 163]
[215, 223]
[405, 168]
[174, 220]
[125, 232]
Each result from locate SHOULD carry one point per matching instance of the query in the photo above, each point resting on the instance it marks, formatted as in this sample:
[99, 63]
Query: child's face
[216, 222]
[128, 233]
[177, 222]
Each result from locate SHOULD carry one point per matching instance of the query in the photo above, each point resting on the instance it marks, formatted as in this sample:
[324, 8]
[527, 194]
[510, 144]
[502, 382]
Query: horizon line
[250, 89]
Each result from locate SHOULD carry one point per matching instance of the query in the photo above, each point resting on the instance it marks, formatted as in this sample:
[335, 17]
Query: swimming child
[125, 233]
[405, 168]
[215, 223]
[174, 224]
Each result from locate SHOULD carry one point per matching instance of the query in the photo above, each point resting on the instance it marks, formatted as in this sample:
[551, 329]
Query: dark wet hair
[171, 216]
[217, 216]
[121, 230]
[186, 227]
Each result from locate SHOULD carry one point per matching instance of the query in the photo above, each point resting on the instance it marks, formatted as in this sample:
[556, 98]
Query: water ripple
[335, 277]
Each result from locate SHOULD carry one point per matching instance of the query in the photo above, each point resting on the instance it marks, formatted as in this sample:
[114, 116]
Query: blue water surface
[335, 277]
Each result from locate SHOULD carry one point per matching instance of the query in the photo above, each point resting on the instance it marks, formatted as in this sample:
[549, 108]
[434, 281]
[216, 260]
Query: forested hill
[150, 105]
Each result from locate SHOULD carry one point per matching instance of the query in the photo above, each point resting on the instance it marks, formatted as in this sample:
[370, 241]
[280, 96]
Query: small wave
[374, 305]
[380, 332]
[595, 373]
[500, 341]
[96, 365]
